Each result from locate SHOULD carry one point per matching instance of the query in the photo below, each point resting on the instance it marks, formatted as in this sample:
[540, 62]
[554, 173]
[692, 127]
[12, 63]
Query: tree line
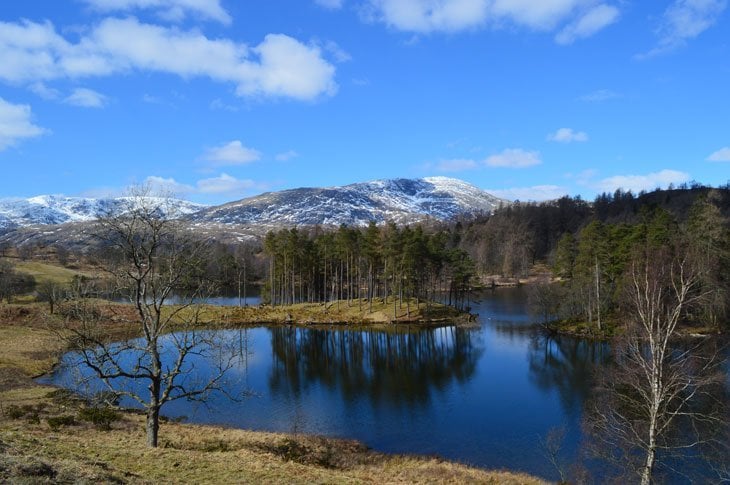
[512, 239]
[361, 264]
[595, 262]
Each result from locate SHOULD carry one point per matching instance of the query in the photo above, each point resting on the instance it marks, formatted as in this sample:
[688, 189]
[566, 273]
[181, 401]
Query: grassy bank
[47, 435]
[340, 312]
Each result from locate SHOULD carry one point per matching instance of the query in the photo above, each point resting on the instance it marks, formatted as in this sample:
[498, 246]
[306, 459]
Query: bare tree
[52, 292]
[151, 259]
[13, 282]
[7, 275]
[543, 300]
[658, 382]
[552, 445]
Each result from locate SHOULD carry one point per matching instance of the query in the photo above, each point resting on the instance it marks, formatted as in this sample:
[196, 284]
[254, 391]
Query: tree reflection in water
[566, 364]
[398, 366]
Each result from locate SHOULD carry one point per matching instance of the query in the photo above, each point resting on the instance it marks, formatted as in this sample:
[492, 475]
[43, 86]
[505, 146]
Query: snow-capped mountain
[398, 200]
[55, 209]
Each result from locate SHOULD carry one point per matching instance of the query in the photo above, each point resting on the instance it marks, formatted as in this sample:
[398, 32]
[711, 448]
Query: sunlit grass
[43, 272]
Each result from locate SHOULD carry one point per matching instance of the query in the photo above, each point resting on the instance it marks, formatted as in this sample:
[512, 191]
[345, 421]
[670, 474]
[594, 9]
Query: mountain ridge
[398, 200]
[48, 210]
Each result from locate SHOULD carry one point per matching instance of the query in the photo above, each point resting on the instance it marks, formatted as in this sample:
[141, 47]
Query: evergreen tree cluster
[594, 262]
[513, 239]
[352, 264]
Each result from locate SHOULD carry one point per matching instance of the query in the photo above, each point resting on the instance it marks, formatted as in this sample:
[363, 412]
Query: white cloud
[637, 183]
[535, 193]
[224, 184]
[584, 17]
[514, 158]
[542, 15]
[173, 10]
[287, 68]
[279, 66]
[567, 135]
[431, 15]
[161, 185]
[287, 155]
[231, 153]
[338, 53]
[44, 91]
[684, 20]
[456, 165]
[15, 124]
[86, 98]
[722, 155]
[599, 96]
[591, 22]
[331, 4]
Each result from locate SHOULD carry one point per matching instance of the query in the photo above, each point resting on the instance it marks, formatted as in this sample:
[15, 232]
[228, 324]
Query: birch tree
[658, 382]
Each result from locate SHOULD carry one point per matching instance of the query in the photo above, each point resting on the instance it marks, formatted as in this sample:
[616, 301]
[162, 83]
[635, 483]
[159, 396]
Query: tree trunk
[648, 467]
[598, 297]
[153, 425]
[153, 408]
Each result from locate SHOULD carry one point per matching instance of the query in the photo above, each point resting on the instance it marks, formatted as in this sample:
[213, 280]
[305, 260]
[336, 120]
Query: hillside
[46, 210]
[398, 200]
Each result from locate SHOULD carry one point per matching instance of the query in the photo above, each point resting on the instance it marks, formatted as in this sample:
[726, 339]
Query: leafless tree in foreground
[151, 259]
[661, 399]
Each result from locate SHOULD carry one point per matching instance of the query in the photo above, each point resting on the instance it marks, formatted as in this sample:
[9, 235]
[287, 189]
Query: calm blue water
[484, 396]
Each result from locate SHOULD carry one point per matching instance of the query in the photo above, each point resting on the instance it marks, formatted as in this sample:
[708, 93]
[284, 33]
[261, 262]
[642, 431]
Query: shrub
[28, 411]
[36, 469]
[100, 417]
[14, 412]
[56, 422]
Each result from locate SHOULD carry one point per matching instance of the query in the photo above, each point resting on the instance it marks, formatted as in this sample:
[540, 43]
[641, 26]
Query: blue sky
[220, 99]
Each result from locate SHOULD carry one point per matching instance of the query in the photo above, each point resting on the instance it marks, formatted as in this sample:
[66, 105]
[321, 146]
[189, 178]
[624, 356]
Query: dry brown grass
[30, 352]
[205, 454]
[342, 312]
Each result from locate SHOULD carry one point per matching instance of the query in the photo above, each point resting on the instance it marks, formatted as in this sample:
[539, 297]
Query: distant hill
[56, 209]
[399, 200]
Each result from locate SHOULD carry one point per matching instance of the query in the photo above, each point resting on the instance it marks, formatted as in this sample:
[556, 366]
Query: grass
[342, 312]
[206, 454]
[43, 272]
[28, 351]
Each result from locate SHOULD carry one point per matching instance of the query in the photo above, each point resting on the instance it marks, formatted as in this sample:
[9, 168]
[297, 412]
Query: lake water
[252, 298]
[484, 396]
